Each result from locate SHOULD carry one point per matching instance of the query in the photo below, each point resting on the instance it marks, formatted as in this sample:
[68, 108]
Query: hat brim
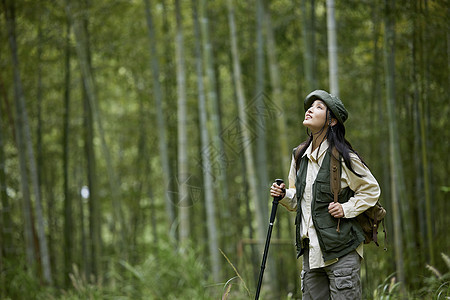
[329, 101]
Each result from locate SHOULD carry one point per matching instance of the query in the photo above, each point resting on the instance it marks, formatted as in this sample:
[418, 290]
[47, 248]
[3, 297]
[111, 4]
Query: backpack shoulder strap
[335, 173]
[335, 176]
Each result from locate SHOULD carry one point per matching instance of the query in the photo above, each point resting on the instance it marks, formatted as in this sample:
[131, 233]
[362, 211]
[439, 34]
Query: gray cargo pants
[340, 280]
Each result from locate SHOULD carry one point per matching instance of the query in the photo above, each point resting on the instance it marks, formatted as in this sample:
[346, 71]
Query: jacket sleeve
[366, 188]
[290, 201]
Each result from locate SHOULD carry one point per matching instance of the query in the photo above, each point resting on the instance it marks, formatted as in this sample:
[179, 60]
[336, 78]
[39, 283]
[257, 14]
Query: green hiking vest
[332, 243]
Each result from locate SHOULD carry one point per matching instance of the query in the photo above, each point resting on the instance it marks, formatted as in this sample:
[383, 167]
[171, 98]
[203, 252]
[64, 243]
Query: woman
[331, 256]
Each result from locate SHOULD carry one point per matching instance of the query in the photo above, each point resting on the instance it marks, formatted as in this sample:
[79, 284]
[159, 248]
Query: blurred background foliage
[92, 96]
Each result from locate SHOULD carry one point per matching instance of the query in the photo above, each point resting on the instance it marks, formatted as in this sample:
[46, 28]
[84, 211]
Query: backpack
[370, 219]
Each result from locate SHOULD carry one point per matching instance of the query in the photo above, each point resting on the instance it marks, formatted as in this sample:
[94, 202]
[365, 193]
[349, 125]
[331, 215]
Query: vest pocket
[325, 220]
[322, 198]
[325, 194]
[333, 240]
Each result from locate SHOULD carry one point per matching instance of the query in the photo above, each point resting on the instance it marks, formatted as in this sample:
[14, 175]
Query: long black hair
[336, 138]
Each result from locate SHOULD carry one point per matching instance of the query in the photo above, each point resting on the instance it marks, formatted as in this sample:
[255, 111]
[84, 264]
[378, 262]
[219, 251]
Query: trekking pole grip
[278, 182]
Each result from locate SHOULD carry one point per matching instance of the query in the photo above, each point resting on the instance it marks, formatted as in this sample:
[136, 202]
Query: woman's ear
[333, 121]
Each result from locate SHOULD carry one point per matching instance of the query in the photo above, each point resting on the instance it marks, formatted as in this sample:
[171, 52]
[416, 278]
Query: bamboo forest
[139, 140]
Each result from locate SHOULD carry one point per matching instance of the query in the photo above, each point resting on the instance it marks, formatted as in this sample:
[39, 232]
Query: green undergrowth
[171, 272]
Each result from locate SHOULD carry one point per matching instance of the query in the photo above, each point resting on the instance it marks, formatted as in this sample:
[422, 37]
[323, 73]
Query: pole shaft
[266, 251]
[269, 235]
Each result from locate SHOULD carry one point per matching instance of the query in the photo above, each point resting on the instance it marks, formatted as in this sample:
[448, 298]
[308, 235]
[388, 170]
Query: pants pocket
[343, 278]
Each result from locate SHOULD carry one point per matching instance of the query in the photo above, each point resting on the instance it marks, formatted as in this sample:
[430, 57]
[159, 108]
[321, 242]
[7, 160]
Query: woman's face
[316, 116]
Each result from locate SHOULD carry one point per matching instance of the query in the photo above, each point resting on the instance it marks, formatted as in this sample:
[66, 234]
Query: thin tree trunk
[39, 152]
[277, 95]
[261, 140]
[183, 193]
[163, 149]
[6, 227]
[332, 49]
[246, 138]
[308, 35]
[381, 117]
[52, 215]
[419, 201]
[394, 147]
[260, 109]
[5, 217]
[95, 239]
[429, 217]
[40, 170]
[43, 245]
[83, 53]
[248, 222]
[170, 101]
[212, 102]
[244, 217]
[245, 133]
[84, 260]
[89, 104]
[25, 189]
[68, 221]
[26, 142]
[213, 243]
[143, 176]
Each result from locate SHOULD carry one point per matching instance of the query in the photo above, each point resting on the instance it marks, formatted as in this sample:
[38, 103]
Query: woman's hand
[336, 210]
[277, 190]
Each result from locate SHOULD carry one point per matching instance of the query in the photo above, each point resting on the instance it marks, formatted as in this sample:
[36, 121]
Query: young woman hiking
[327, 235]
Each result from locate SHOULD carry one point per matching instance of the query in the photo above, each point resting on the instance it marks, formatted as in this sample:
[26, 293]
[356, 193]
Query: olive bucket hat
[332, 102]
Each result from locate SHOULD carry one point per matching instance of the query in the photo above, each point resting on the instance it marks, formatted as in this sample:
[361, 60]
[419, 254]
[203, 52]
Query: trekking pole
[269, 234]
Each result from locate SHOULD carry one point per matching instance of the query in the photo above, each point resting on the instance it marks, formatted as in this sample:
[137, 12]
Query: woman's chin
[310, 126]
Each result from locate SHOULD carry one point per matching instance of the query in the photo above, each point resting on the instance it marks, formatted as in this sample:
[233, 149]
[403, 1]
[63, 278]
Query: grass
[171, 273]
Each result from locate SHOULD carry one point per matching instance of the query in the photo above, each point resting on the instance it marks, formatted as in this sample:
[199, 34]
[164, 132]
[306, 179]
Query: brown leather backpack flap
[376, 212]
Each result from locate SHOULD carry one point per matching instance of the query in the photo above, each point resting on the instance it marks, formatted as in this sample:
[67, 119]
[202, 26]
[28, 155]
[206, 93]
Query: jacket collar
[314, 155]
